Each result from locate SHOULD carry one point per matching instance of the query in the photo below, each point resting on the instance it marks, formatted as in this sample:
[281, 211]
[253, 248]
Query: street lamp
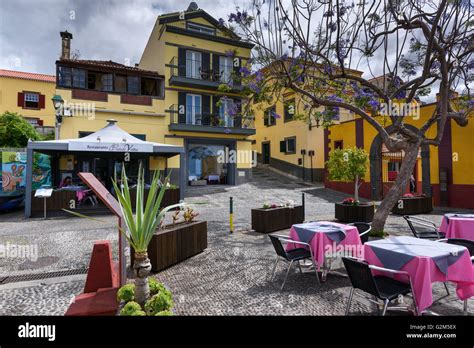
[58, 103]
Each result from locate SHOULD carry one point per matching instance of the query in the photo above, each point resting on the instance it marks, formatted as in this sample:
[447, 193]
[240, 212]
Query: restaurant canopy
[107, 141]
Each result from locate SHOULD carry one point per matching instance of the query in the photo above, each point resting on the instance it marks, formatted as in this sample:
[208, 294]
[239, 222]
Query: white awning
[111, 138]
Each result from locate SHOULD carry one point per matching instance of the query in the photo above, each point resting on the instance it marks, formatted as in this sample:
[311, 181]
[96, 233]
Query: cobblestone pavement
[231, 277]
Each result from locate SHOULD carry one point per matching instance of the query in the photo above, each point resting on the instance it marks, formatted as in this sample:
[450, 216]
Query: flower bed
[275, 217]
[351, 210]
[410, 204]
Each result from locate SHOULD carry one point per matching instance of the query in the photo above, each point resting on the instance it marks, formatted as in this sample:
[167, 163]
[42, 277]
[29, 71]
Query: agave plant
[141, 224]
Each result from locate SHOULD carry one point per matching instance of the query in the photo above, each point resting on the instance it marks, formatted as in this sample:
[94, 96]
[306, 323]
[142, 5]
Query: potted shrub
[350, 165]
[160, 302]
[140, 224]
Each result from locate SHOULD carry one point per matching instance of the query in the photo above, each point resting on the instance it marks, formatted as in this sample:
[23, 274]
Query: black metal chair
[469, 245]
[364, 229]
[381, 287]
[422, 228]
[295, 255]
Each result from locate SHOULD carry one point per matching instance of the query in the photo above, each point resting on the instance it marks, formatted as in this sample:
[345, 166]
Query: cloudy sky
[103, 29]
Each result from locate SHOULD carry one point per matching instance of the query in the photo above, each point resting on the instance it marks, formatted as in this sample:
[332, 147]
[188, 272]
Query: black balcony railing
[193, 69]
[199, 116]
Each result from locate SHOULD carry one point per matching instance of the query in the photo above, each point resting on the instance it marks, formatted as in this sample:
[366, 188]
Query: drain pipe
[311, 155]
[303, 152]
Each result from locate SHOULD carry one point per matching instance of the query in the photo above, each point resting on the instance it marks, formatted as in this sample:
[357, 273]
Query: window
[339, 144]
[78, 78]
[132, 85]
[120, 84]
[226, 67]
[193, 109]
[290, 110]
[201, 28]
[149, 87]
[193, 64]
[65, 76]
[107, 82]
[32, 100]
[288, 146]
[226, 111]
[269, 117]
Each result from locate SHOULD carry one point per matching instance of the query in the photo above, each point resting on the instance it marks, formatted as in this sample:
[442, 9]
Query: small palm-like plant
[141, 224]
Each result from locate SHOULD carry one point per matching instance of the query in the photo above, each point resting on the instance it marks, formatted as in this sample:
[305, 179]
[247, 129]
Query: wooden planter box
[413, 205]
[355, 213]
[175, 244]
[170, 197]
[275, 219]
[59, 200]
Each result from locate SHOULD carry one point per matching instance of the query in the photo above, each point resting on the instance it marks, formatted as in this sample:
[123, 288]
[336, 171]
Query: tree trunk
[395, 192]
[142, 268]
[356, 189]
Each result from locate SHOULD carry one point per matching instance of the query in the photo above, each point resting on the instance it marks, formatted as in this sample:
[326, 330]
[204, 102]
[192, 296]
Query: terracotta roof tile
[27, 76]
[108, 64]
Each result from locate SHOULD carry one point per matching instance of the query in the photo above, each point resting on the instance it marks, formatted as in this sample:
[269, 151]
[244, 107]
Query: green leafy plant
[160, 302]
[164, 314]
[15, 130]
[141, 224]
[130, 308]
[126, 293]
[348, 165]
[156, 286]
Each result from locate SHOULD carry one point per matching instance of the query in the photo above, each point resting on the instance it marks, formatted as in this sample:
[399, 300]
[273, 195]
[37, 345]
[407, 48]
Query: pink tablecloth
[458, 227]
[322, 244]
[80, 195]
[423, 270]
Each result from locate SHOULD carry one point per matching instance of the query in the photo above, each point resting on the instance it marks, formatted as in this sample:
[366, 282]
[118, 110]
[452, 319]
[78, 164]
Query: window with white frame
[201, 28]
[226, 66]
[32, 100]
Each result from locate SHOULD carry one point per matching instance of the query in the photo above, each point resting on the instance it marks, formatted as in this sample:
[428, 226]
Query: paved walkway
[228, 278]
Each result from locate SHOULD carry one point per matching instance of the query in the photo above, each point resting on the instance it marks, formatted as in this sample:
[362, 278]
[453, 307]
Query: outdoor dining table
[326, 239]
[426, 262]
[456, 225]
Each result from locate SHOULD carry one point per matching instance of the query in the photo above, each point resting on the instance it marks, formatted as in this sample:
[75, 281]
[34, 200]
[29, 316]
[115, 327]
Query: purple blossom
[329, 13]
[274, 114]
[374, 104]
[470, 64]
[332, 26]
[244, 71]
[221, 22]
[238, 17]
[259, 76]
[229, 53]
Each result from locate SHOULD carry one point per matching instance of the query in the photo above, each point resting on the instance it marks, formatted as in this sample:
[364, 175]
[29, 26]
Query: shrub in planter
[350, 165]
[130, 308]
[160, 302]
[126, 293]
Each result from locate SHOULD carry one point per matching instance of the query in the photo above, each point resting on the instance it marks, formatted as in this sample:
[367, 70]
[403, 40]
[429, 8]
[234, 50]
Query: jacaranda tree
[318, 48]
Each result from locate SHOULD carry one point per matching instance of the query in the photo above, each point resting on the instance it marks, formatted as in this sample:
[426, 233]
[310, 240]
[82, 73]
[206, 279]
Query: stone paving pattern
[231, 277]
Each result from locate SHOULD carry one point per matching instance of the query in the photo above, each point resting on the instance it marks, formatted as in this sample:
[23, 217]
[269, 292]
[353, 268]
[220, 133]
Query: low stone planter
[276, 219]
[175, 244]
[413, 205]
[364, 212]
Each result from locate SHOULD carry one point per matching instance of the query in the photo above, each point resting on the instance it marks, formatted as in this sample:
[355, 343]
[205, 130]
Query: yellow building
[29, 95]
[290, 141]
[200, 60]
[173, 96]
[443, 172]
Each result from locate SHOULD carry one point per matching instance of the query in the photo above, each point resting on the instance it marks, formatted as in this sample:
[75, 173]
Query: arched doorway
[384, 165]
